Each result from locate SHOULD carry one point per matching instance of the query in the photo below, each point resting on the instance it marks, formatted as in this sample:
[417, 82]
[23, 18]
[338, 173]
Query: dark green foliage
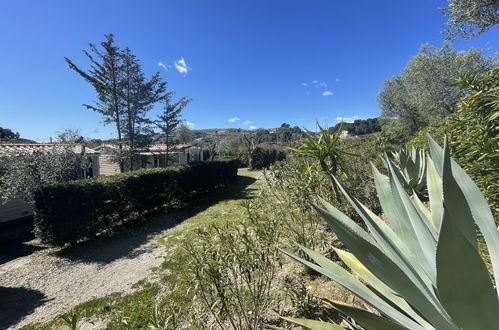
[359, 127]
[7, 134]
[264, 155]
[70, 211]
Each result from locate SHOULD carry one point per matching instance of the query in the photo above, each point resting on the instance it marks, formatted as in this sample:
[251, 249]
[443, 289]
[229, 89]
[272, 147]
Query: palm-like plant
[324, 148]
[422, 269]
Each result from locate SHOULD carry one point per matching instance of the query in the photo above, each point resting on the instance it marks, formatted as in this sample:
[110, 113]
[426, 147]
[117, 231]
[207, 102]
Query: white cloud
[327, 93]
[252, 127]
[189, 124]
[164, 66]
[233, 119]
[315, 83]
[181, 66]
[247, 122]
[337, 80]
[347, 119]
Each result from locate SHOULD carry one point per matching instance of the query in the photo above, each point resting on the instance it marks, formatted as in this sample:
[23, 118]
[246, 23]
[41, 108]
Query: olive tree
[468, 18]
[426, 88]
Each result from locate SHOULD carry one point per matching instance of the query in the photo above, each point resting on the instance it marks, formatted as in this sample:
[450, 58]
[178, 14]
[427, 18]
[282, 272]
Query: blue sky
[262, 62]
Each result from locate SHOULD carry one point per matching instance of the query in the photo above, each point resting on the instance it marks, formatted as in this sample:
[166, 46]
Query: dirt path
[40, 286]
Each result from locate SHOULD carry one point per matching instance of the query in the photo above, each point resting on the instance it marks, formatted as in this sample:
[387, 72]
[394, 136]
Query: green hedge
[69, 211]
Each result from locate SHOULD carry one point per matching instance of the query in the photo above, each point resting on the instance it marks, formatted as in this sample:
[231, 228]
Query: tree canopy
[426, 88]
[468, 18]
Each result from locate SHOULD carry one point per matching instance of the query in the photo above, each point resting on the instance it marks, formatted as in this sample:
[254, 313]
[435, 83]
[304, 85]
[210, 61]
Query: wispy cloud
[164, 66]
[315, 83]
[189, 124]
[182, 66]
[252, 127]
[233, 119]
[347, 119]
[327, 93]
[337, 80]
[247, 122]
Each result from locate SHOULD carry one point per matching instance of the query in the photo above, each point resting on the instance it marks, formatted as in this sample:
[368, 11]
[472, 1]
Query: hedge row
[70, 211]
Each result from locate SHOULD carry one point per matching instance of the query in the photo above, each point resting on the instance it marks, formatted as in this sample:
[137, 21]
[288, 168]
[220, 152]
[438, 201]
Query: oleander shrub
[70, 211]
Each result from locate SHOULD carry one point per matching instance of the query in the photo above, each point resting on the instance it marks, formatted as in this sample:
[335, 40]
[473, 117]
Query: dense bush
[264, 155]
[473, 132]
[70, 211]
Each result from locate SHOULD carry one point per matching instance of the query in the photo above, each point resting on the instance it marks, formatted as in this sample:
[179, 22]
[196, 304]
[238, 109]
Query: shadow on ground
[129, 241]
[18, 244]
[16, 303]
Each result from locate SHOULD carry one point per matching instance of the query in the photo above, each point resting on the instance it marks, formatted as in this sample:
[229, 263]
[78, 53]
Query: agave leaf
[383, 267]
[408, 256]
[427, 215]
[461, 210]
[347, 280]
[358, 268]
[477, 204]
[366, 319]
[390, 243]
[435, 194]
[314, 325]
[425, 234]
[397, 216]
[463, 282]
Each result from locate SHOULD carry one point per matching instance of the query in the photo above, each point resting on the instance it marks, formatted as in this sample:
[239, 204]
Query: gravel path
[40, 286]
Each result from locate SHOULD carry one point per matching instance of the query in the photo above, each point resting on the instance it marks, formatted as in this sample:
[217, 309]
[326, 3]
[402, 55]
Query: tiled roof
[162, 147]
[151, 148]
[29, 148]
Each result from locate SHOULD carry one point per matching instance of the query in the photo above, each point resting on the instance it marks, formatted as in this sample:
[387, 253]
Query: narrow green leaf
[314, 325]
[347, 280]
[360, 270]
[366, 319]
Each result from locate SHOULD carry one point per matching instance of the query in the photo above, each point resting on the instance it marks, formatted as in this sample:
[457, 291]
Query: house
[15, 209]
[150, 157]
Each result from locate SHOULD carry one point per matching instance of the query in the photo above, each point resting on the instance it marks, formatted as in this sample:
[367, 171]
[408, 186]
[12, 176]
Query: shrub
[263, 156]
[421, 268]
[473, 132]
[70, 211]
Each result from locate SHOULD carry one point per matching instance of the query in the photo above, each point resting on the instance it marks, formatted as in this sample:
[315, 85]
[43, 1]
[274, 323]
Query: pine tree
[139, 97]
[169, 120]
[125, 95]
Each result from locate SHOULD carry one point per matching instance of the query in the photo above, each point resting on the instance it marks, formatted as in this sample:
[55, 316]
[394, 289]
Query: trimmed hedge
[69, 211]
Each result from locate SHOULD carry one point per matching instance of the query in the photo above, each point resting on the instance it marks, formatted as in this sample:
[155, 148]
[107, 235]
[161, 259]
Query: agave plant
[410, 168]
[421, 269]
